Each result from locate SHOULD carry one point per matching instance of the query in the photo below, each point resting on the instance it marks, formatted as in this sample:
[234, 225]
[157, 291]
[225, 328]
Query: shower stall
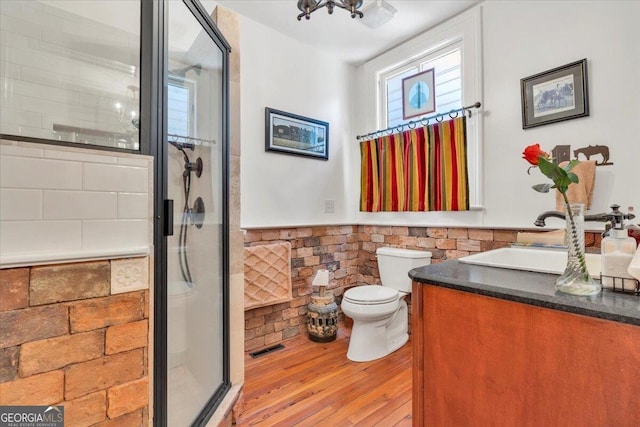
[193, 370]
[144, 77]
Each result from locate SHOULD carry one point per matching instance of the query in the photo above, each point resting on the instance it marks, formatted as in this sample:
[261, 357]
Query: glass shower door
[195, 251]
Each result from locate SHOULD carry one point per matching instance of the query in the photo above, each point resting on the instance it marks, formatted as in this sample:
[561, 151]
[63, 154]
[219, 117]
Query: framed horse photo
[555, 95]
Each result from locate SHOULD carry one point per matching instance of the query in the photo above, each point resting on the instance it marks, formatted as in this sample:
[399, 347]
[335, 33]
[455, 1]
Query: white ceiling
[344, 37]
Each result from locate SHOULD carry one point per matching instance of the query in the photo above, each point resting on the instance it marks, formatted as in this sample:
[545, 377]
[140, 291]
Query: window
[179, 109]
[453, 49]
[448, 83]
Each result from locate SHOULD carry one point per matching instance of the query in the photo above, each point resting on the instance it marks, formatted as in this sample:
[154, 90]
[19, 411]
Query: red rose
[533, 153]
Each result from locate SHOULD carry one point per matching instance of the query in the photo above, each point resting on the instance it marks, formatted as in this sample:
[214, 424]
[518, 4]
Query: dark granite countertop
[528, 288]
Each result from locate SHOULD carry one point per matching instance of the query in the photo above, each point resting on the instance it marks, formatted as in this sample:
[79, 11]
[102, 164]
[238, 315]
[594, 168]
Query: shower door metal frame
[153, 140]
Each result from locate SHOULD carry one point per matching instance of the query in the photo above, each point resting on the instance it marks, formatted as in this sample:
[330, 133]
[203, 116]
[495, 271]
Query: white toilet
[379, 313]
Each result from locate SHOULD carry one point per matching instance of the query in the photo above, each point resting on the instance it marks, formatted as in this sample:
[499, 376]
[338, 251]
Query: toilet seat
[371, 295]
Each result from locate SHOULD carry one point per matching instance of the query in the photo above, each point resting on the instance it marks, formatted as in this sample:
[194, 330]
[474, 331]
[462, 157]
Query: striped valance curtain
[420, 169]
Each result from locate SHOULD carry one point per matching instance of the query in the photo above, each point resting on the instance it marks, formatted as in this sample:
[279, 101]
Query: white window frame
[402, 68]
[190, 85]
[464, 29]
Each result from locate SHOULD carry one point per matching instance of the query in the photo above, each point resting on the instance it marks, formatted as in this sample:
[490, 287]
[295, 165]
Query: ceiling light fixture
[309, 6]
[377, 13]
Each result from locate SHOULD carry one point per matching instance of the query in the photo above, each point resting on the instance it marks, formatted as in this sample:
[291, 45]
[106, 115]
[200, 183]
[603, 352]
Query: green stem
[574, 232]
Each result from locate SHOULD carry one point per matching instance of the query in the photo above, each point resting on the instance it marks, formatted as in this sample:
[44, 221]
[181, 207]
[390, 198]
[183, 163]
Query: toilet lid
[371, 294]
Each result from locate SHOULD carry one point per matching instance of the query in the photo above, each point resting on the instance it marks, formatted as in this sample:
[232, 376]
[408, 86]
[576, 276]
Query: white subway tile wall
[40, 237]
[60, 70]
[14, 150]
[29, 172]
[81, 156]
[133, 205]
[101, 177]
[80, 205]
[62, 203]
[121, 233]
[20, 204]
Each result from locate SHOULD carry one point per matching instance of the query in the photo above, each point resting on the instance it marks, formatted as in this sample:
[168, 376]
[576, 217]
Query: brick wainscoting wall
[312, 248]
[348, 252]
[65, 340]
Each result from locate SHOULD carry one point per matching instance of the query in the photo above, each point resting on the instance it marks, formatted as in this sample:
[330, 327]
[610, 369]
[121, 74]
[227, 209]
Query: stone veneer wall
[334, 248]
[349, 253]
[68, 339]
[229, 24]
[443, 243]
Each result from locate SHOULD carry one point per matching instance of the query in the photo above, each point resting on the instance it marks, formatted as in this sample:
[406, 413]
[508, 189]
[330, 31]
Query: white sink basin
[531, 259]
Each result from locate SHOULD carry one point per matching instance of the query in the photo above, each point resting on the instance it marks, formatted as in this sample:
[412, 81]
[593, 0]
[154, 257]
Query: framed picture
[418, 94]
[292, 134]
[555, 95]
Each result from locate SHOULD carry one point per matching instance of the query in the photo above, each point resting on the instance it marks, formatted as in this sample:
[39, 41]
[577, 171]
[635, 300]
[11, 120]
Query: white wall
[63, 204]
[519, 39]
[465, 29]
[523, 38]
[282, 73]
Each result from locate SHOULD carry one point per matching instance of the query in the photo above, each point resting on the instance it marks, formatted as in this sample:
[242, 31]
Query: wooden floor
[309, 384]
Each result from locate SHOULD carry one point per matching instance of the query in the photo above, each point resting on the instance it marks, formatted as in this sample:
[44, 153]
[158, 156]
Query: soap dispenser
[617, 251]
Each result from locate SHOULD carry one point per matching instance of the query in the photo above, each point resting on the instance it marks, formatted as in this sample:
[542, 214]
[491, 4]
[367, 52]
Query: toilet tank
[394, 265]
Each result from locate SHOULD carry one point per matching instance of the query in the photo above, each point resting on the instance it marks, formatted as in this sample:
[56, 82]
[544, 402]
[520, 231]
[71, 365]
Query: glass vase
[576, 280]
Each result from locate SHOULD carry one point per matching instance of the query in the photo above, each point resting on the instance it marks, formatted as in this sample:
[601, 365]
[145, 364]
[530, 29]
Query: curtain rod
[412, 124]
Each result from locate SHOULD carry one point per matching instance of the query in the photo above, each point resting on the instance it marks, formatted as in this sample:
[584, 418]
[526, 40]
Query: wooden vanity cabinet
[483, 361]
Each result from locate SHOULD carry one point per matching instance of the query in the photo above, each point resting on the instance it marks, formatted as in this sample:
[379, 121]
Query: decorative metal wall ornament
[307, 7]
[562, 153]
[594, 150]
